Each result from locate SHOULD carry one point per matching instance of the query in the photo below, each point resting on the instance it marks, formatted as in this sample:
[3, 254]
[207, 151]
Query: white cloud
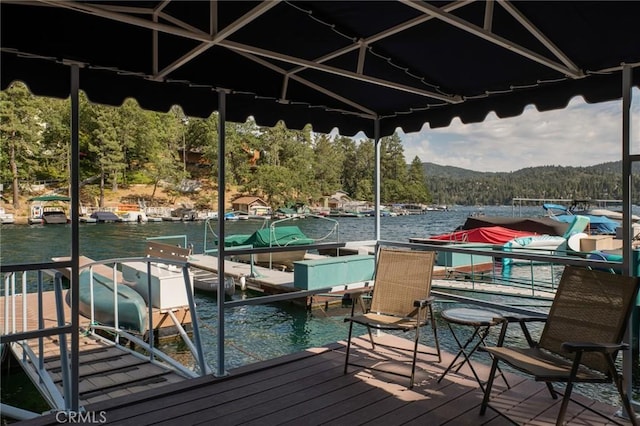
[579, 135]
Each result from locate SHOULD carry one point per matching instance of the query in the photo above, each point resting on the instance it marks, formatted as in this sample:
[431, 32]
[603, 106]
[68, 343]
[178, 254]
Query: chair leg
[624, 396]
[565, 403]
[415, 357]
[627, 406]
[435, 332]
[488, 386]
[346, 358]
[373, 345]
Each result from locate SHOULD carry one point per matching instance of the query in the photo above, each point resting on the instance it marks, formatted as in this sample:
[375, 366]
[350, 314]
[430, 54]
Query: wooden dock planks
[310, 388]
[105, 371]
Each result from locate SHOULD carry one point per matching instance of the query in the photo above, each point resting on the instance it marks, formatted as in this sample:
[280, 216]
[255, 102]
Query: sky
[579, 135]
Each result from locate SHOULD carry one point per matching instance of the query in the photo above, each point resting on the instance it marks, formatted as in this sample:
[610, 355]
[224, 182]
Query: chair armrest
[358, 291]
[424, 302]
[594, 347]
[522, 320]
[358, 294]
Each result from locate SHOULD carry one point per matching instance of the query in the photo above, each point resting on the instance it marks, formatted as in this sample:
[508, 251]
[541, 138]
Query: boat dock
[106, 371]
[309, 388]
[275, 281]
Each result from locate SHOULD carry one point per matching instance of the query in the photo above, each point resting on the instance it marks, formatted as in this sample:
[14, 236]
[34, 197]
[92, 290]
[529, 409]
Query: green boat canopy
[50, 198]
[271, 237]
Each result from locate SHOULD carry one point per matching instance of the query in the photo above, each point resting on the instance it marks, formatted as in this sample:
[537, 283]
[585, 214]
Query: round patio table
[481, 320]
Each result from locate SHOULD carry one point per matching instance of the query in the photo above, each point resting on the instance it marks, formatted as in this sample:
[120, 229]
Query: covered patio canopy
[369, 66]
[333, 64]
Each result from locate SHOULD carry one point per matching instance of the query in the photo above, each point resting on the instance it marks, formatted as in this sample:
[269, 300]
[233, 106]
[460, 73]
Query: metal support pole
[376, 185]
[222, 99]
[628, 264]
[75, 238]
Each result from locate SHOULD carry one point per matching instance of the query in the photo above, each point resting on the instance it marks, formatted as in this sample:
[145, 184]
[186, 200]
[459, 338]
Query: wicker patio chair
[401, 300]
[580, 340]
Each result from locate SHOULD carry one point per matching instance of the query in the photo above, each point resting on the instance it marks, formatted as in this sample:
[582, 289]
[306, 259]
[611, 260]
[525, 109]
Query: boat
[598, 225]
[105, 217]
[534, 225]
[487, 235]
[132, 309]
[87, 219]
[6, 218]
[131, 213]
[273, 236]
[548, 244]
[611, 214]
[231, 216]
[134, 216]
[208, 282]
[54, 215]
[184, 214]
[47, 209]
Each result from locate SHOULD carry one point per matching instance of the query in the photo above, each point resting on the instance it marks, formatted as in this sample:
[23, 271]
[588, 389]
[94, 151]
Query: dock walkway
[106, 371]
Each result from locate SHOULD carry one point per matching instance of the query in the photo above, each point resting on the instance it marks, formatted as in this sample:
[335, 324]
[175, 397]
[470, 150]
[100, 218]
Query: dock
[274, 281]
[268, 281]
[106, 371]
[309, 388]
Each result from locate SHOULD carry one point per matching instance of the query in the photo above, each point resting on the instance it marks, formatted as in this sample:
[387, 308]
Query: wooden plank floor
[105, 371]
[309, 388]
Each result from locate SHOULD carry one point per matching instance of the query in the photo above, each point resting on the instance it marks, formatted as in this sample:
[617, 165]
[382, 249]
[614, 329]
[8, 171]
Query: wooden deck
[309, 388]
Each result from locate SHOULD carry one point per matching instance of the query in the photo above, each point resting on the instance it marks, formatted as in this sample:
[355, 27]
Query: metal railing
[18, 333]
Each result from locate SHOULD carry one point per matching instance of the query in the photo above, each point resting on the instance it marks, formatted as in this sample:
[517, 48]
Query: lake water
[253, 333]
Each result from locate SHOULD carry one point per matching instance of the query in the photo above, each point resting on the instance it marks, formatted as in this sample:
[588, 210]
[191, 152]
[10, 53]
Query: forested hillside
[128, 145]
[452, 185]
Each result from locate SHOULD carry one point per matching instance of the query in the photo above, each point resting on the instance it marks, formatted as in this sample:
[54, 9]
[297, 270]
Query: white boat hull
[285, 258]
[209, 281]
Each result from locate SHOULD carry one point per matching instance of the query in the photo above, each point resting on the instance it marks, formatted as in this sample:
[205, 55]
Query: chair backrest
[589, 306]
[401, 277]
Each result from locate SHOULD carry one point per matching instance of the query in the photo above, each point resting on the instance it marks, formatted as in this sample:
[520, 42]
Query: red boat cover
[488, 235]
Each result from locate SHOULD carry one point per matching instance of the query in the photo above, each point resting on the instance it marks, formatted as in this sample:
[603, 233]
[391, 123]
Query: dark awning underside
[327, 63]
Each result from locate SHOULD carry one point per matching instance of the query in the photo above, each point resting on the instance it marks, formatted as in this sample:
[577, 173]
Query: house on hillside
[255, 206]
[338, 200]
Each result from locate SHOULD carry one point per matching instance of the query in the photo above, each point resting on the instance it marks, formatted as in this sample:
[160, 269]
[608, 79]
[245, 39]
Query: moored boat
[134, 216]
[597, 224]
[273, 236]
[105, 217]
[131, 213]
[6, 218]
[487, 235]
[54, 215]
[47, 209]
